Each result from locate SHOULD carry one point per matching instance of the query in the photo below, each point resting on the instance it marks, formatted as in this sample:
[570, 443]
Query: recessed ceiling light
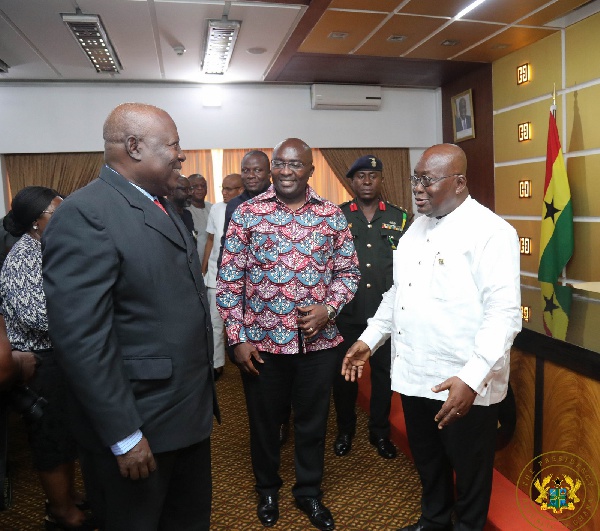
[500, 46]
[397, 38]
[256, 51]
[450, 42]
[337, 35]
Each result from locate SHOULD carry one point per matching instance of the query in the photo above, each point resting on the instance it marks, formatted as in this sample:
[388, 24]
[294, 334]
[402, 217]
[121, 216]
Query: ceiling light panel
[220, 41]
[90, 34]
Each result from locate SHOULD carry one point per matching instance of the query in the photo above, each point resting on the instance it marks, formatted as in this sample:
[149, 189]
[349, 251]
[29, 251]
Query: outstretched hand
[459, 401]
[354, 361]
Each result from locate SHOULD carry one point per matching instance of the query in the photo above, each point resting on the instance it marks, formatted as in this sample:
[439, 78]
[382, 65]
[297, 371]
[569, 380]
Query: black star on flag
[551, 210]
[550, 306]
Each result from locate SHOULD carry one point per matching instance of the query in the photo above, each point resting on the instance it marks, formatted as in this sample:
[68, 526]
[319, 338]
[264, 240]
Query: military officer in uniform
[376, 226]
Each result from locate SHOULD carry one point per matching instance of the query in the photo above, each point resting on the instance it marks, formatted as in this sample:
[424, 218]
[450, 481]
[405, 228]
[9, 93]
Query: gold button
[368, 285]
[368, 265]
[369, 245]
[370, 226]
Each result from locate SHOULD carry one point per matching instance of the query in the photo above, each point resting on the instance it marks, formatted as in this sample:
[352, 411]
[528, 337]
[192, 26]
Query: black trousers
[304, 380]
[345, 393]
[467, 448]
[176, 497]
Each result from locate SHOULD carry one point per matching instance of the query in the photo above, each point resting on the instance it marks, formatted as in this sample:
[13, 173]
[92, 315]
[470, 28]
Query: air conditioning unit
[345, 97]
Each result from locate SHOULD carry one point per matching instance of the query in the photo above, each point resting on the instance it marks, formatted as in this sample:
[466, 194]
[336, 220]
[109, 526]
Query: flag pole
[553, 106]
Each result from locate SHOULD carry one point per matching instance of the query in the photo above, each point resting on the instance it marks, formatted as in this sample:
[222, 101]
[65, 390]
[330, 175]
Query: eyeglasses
[192, 188]
[280, 164]
[49, 212]
[427, 181]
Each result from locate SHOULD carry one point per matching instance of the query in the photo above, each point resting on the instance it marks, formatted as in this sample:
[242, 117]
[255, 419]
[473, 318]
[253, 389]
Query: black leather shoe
[267, 510]
[342, 444]
[385, 447]
[284, 433]
[318, 514]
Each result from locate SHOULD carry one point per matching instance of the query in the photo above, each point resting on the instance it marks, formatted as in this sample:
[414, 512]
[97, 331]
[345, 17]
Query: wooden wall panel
[506, 143]
[507, 189]
[583, 175]
[519, 451]
[572, 423]
[583, 108]
[585, 263]
[582, 40]
[544, 59]
[529, 229]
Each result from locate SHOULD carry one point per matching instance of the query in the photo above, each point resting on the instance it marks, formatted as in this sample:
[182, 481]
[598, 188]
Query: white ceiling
[37, 45]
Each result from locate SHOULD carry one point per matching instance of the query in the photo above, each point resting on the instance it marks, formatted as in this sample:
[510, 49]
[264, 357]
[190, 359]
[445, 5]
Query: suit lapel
[154, 217]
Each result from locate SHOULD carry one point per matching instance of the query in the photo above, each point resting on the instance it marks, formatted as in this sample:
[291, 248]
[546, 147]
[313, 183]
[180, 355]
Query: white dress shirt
[216, 221]
[454, 307]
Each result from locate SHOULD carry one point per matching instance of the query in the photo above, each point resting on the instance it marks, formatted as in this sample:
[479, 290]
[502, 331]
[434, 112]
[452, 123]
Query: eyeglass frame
[430, 181]
[294, 165]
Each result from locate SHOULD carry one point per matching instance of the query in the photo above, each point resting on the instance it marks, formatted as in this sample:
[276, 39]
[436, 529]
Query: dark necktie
[158, 204]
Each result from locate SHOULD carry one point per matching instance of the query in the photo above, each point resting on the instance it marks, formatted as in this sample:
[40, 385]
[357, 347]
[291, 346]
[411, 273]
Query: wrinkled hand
[459, 401]
[138, 463]
[26, 364]
[314, 319]
[243, 353]
[354, 361]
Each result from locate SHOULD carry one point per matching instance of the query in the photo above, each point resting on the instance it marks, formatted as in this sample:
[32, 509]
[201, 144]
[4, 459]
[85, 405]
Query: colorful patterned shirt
[276, 259]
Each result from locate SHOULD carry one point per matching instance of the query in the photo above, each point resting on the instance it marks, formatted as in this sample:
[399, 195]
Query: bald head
[142, 144]
[445, 165]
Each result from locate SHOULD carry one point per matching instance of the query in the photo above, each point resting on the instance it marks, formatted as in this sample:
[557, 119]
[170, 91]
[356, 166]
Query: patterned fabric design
[275, 260]
[23, 298]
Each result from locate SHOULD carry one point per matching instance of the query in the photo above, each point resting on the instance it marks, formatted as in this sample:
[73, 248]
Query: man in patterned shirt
[288, 267]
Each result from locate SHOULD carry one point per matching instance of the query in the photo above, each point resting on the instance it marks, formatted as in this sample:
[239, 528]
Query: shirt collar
[149, 196]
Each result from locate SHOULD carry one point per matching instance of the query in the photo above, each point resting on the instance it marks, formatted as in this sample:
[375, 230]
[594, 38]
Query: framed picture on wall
[463, 119]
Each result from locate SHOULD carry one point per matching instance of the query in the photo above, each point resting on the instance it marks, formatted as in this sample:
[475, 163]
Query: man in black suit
[462, 120]
[130, 323]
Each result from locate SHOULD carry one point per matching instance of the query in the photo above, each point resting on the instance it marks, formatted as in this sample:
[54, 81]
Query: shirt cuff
[123, 446]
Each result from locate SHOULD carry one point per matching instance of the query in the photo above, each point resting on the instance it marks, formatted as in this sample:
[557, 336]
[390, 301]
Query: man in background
[256, 177]
[130, 324]
[288, 267]
[376, 227]
[199, 209]
[180, 199]
[453, 313]
[232, 186]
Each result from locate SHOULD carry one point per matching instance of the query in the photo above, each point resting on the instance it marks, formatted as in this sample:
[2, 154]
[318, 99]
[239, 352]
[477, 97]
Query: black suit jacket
[129, 318]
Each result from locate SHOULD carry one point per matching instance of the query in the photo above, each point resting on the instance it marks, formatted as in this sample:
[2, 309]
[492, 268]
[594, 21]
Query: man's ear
[461, 183]
[132, 145]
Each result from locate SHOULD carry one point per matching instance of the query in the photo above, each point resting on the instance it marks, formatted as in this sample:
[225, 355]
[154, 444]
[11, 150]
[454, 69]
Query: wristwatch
[330, 312]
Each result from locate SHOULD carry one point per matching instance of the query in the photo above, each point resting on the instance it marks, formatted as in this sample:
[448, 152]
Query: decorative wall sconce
[525, 244]
[523, 74]
[524, 189]
[524, 130]
[525, 313]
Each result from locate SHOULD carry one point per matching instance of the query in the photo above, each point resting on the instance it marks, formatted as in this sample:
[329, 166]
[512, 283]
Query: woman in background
[24, 309]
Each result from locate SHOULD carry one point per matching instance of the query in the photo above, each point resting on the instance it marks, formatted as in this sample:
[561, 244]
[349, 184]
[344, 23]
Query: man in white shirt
[200, 209]
[452, 312]
[232, 187]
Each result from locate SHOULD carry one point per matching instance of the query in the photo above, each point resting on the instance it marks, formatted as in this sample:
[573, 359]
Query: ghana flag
[556, 305]
[556, 241]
